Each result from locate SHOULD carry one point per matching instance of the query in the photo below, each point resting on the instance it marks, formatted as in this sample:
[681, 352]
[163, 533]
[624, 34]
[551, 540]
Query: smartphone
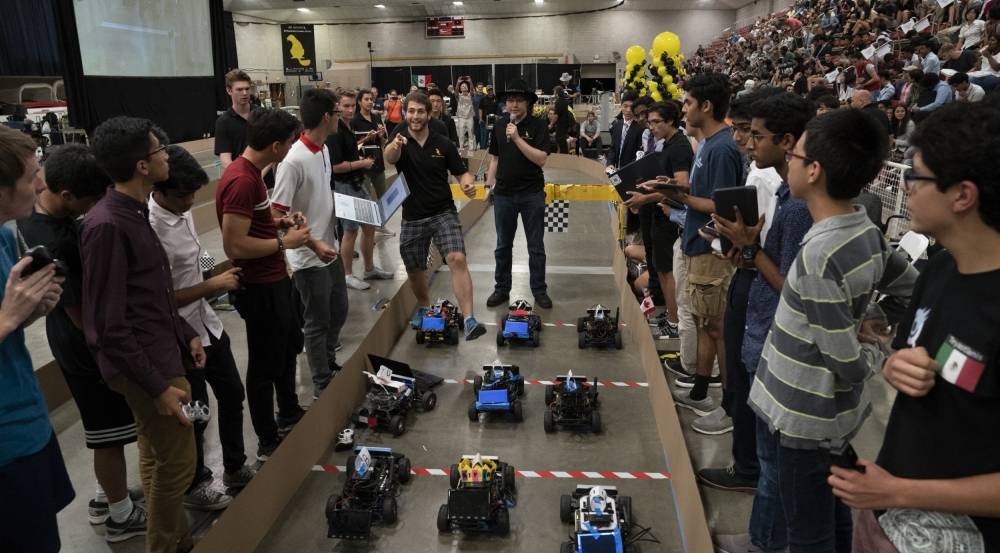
[669, 185]
[673, 203]
[41, 258]
[710, 230]
[840, 453]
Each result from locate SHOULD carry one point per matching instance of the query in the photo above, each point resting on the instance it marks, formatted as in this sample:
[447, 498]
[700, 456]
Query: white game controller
[196, 411]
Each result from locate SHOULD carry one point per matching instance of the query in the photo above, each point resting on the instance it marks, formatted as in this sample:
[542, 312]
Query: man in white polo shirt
[302, 184]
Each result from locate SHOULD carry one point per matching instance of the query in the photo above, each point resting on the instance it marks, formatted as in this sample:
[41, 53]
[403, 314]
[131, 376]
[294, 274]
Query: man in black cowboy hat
[520, 147]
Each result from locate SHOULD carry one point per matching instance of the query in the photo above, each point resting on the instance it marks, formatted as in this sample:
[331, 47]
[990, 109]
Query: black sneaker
[727, 479]
[543, 300]
[134, 525]
[204, 498]
[264, 452]
[673, 364]
[285, 425]
[240, 478]
[497, 298]
[658, 320]
[688, 381]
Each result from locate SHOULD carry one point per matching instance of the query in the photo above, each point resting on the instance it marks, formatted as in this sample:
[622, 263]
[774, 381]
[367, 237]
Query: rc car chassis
[444, 323]
[390, 398]
[497, 390]
[599, 328]
[570, 402]
[520, 324]
[368, 494]
[482, 489]
[602, 520]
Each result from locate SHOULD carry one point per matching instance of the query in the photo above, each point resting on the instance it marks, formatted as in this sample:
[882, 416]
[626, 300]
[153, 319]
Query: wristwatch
[749, 253]
[281, 246]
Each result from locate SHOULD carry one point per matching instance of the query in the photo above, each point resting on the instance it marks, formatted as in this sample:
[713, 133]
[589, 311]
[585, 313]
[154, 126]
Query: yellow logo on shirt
[438, 150]
[526, 135]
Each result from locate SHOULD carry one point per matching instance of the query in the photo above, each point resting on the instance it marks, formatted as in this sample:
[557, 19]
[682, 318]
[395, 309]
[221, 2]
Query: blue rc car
[444, 323]
[520, 323]
[497, 390]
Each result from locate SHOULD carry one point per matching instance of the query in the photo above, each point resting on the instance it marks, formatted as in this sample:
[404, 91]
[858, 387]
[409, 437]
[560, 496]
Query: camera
[840, 453]
[41, 258]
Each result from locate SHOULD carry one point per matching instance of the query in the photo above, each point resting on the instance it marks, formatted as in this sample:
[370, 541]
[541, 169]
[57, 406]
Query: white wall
[583, 35]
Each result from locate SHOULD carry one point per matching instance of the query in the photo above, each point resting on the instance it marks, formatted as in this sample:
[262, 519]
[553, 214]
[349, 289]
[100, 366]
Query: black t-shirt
[516, 174]
[488, 105]
[436, 125]
[231, 138]
[953, 431]
[343, 147]
[361, 127]
[426, 169]
[452, 129]
[61, 238]
[965, 62]
[675, 157]
[562, 111]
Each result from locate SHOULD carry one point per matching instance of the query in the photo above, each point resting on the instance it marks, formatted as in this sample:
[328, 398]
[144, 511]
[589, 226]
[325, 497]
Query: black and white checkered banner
[557, 216]
[207, 262]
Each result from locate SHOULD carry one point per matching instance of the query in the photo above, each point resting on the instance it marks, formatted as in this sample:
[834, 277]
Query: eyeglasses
[741, 129]
[756, 137]
[654, 121]
[909, 180]
[790, 155]
[162, 148]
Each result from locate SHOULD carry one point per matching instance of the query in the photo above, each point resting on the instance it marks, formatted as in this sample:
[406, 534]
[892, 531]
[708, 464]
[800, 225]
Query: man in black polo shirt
[349, 179]
[487, 107]
[562, 123]
[520, 147]
[425, 157]
[438, 114]
[231, 126]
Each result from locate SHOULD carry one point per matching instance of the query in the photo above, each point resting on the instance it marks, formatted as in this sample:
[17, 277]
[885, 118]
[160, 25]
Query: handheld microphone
[509, 136]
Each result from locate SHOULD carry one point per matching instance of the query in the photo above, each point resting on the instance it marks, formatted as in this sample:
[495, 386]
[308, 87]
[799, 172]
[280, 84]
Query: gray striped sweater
[810, 383]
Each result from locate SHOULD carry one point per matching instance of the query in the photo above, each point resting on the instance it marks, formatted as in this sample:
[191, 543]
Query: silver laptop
[369, 212]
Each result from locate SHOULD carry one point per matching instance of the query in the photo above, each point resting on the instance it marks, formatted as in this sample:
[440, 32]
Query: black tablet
[745, 197]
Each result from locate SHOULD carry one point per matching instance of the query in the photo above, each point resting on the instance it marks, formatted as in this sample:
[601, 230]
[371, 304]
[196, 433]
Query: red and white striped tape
[580, 475]
[546, 382]
[548, 324]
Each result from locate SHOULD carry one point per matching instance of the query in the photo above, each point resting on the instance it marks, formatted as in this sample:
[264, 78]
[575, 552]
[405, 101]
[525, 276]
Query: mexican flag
[958, 368]
[420, 81]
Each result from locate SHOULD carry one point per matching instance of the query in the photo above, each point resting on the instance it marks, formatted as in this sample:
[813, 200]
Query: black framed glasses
[741, 130]
[908, 180]
[162, 148]
[790, 155]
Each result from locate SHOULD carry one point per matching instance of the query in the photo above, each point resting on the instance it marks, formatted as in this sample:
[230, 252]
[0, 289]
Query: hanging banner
[298, 48]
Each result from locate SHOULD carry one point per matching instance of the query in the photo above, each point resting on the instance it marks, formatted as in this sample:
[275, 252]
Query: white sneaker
[378, 274]
[356, 283]
[382, 231]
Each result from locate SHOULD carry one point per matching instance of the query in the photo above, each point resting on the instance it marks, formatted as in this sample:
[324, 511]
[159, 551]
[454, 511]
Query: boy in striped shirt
[810, 383]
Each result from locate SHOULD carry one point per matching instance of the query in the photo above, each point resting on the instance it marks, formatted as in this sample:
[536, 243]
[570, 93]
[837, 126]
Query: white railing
[886, 187]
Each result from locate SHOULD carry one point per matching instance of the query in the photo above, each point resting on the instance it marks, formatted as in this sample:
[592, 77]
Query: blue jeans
[767, 519]
[531, 208]
[738, 379]
[988, 82]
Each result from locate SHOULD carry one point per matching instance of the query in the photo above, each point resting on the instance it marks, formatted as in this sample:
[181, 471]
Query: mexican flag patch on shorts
[960, 365]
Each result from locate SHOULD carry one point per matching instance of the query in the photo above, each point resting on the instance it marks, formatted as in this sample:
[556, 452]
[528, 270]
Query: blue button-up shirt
[791, 222]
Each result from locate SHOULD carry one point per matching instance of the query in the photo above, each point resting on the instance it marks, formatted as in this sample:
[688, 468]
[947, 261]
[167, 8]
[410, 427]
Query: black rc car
[521, 324]
[570, 402]
[443, 323]
[602, 520]
[389, 400]
[599, 328]
[374, 477]
[482, 489]
[497, 390]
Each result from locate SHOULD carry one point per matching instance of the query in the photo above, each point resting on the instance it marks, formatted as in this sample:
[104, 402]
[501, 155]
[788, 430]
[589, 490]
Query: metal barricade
[886, 187]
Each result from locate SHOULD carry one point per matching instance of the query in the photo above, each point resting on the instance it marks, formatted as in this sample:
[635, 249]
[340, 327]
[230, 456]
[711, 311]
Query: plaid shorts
[415, 239]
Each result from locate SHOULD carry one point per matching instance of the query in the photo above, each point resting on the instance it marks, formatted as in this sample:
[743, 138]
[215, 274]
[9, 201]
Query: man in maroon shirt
[250, 237]
[142, 345]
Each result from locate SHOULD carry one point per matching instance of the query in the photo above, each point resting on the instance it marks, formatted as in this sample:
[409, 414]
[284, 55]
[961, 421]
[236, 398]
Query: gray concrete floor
[438, 438]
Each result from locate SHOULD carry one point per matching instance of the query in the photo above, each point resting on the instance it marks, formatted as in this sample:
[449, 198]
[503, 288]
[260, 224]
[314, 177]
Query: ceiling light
[538, 1]
[303, 9]
[379, 6]
[457, 3]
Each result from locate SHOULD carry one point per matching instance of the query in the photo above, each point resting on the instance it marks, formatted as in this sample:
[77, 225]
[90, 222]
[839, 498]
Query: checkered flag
[557, 216]
[207, 262]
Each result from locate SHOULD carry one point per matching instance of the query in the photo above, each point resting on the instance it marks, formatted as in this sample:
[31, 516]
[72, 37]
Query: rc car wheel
[420, 337]
[453, 336]
[403, 470]
[331, 505]
[566, 547]
[473, 412]
[501, 341]
[515, 408]
[350, 464]
[520, 388]
[429, 400]
[444, 524]
[461, 322]
[582, 342]
[454, 477]
[359, 411]
[581, 324]
[566, 508]
[508, 477]
[550, 394]
[595, 423]
[631, 548]
[547, 421]
[503, 522]
[515, 370]
[389, 510]
[618, 340]
[397, 425]
[477, 384]
[535, 338]
[625, 502]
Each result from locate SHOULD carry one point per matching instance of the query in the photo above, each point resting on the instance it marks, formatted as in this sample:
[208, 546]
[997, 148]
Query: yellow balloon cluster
[635, 76]
[666, 67]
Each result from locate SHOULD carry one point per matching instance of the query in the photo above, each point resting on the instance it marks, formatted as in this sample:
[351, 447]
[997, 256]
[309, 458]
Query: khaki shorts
[707, 283]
